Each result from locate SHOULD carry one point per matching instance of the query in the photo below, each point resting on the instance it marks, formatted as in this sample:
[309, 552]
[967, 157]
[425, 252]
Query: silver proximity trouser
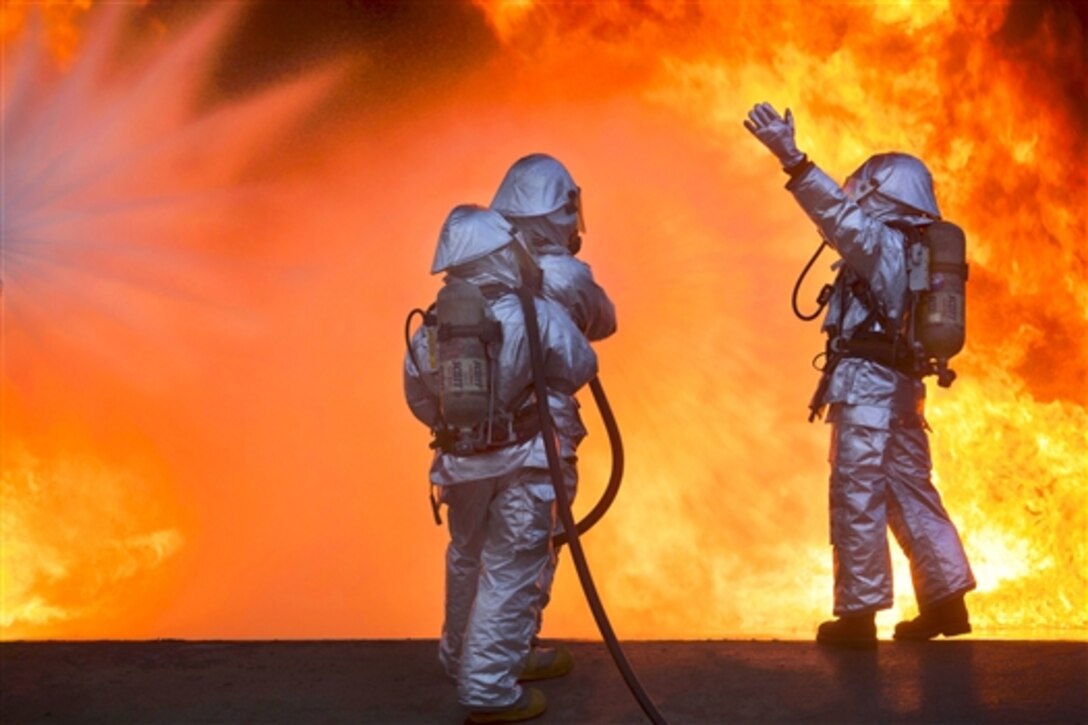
[570, 476]
[500, 543]
[881, 478]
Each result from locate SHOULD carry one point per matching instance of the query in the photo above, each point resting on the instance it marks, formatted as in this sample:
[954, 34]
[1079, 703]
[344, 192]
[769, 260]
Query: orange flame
[113, 192]
[62, 22]
[955, 85]
[283, 465]
[76, 535]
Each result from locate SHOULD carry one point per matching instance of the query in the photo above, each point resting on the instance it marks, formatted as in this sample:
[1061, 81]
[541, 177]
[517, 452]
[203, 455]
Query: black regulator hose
[408, 335]
[614, 479]
[536, 356]
[825, 293]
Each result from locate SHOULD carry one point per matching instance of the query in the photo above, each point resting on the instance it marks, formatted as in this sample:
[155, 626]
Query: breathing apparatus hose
[536, 356]
[825, 293]
[614, 479]
[408, 335]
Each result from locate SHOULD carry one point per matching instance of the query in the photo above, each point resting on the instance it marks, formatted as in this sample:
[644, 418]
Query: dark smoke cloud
[401, 49]
[1044, 45]
[1043, 38]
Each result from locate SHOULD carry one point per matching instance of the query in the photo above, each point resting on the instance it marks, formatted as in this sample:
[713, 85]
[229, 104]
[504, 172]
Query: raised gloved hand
[775, 132]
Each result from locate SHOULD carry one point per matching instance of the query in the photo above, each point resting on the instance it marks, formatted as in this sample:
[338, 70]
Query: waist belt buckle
[510, 435]
[500, 431]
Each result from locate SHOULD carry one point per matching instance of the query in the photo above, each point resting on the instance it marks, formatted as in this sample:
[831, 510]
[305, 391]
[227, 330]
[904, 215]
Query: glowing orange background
[212, 254]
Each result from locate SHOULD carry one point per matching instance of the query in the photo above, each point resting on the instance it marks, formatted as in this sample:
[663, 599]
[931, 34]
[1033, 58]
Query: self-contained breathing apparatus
[462, 337]
[933, 328]
[466, 422]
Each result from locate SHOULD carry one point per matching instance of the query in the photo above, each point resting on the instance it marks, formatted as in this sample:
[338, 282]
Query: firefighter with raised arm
[468, 377]
[894, 315]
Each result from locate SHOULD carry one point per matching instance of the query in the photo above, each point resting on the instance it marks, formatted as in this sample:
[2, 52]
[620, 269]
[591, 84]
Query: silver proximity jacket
[880, 461]
[877, 396]
[569, 281]
[541, 200]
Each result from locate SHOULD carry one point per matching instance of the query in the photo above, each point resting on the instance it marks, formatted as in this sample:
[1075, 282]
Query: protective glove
[775, 132]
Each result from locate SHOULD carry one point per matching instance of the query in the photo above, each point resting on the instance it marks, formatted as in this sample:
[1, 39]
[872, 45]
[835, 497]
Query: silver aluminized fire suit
[501, 502]
[880, 460]
[539, 197]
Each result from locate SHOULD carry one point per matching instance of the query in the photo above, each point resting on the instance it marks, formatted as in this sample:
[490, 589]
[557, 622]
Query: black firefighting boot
[857, 631]
[948, 617]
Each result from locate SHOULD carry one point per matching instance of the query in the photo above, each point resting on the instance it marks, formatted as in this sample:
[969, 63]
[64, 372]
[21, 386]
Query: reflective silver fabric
[501, 503]
[569, 364]
[880, 463]
[500, 544]
[881, 478]
[534, 196]
[547, 579]
[569, 360]
[470, 232]
[775, 132]
[875, 252]
[534, 186]
[894, 185]
[569, 282]
[501, 266]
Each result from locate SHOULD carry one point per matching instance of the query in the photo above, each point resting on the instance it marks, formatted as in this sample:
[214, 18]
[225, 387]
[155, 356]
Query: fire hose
[616, 444]
[571, 530]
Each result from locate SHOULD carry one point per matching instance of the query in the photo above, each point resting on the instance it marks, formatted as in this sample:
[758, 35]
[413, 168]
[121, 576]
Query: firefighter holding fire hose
[539, 198]
[468, 377]
[872, 388]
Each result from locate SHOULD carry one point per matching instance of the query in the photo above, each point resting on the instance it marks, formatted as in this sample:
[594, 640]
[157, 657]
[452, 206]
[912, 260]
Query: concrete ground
[399, 681]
